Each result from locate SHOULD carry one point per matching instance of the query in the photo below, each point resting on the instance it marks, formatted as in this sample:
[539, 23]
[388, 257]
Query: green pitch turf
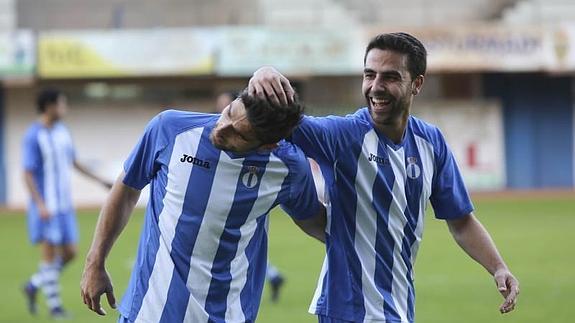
[534, 235]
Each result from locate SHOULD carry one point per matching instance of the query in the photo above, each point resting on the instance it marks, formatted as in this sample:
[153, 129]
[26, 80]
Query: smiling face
[233, 131]
[388, 87]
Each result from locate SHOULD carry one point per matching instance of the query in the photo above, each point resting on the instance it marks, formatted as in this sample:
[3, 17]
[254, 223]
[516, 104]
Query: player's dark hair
[403, 43]
[270, 122]
[232, 94]
[46, 97]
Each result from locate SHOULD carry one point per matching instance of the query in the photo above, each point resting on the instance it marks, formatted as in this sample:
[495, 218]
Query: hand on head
[268, 83]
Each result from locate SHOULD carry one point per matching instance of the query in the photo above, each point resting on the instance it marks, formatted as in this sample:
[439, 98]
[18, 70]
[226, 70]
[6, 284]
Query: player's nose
[378, 84]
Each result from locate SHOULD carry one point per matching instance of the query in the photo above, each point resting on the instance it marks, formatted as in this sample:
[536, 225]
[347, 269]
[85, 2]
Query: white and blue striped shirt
[48, 153]
[203, 250]
[377, 195]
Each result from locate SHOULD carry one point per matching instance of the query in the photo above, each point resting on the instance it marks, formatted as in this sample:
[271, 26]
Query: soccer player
[274, 277]
[214, 178]
[381, 166]
[48, 157]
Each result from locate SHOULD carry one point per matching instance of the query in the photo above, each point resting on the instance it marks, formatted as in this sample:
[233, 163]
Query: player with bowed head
[213, 180]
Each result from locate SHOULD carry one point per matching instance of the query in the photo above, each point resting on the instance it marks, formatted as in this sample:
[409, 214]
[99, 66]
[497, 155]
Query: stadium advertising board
[239, 51]
[564, 47]
[486, 48]
[294, 52]
[126, 53]
[17, 54]
[474, 131]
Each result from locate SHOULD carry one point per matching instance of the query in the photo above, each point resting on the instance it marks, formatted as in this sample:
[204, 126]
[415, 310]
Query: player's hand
[95, 282]
[508, 286]
[268, 83]
[44, 213]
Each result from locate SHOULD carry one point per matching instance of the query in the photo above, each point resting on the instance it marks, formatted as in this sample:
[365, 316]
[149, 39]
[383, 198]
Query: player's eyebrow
[392, 73]
[238, 132]
[230, 109]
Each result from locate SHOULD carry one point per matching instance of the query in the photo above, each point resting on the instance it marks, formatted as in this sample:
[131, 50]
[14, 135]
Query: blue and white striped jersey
[203, 250]
[49, 154]
[377, 195]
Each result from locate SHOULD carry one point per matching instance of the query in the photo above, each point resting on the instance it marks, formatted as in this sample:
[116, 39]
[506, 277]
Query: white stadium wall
[474, 132]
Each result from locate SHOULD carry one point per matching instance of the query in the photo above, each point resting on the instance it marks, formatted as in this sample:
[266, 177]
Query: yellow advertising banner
[126, 53]
[238, 51]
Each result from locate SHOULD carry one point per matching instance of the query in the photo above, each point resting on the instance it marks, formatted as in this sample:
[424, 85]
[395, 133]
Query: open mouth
[380, 104]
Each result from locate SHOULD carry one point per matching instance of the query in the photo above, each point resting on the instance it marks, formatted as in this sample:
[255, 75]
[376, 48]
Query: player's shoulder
[31, 132]
[62, 127]
[358, 121]
[426, 131]
[174, 121]
[290, 154]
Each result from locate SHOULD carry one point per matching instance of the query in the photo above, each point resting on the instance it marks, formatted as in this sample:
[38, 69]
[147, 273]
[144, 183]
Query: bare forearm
[113, 218]
[315, 233]
[477, 243]
[315, 226]
[88, 173]
[29, 180]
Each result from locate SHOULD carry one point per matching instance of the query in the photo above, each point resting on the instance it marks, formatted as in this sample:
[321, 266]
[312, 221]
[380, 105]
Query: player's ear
[417, 84]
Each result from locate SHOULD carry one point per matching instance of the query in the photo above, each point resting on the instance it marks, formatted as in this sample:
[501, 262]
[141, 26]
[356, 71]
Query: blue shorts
[60, 229]
[327, 319]
[122, 319]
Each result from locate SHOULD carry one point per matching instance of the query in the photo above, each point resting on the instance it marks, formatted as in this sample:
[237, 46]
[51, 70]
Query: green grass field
[535, 236]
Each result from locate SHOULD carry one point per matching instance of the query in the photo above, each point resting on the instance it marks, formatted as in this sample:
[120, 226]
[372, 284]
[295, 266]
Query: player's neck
[47, 121]
[394, 131]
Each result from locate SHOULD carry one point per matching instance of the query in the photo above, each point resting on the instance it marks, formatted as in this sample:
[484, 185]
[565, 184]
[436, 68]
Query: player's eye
[242, 137]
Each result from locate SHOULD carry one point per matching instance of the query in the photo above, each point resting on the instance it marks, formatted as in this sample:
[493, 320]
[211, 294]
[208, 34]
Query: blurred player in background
[274, 277]
[213, 179]
[381, 166]
[48, 158]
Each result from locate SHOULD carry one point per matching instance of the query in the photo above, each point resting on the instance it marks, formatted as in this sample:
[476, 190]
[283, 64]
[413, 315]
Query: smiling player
[381, 166]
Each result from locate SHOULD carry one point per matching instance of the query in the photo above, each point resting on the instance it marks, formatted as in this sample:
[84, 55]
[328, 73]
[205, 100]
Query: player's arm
[113, 218]
[451, 202]
[268, 83]
[35, 194]
[31, 161]
[314, 226]
[88, 173]
[318, 137]
[477, 243]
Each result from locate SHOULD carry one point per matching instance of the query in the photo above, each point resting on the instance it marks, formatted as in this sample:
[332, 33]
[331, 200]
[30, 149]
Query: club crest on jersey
[194, 160]
[413, 170]
[250, 179]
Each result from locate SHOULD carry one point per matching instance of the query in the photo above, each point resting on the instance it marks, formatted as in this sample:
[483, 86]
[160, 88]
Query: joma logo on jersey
[378, 159]
[196, 161]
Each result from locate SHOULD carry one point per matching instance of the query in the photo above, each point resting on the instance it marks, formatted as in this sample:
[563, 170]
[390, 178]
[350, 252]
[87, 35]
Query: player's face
[388, 87]
[59, 109]
[233, 131]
